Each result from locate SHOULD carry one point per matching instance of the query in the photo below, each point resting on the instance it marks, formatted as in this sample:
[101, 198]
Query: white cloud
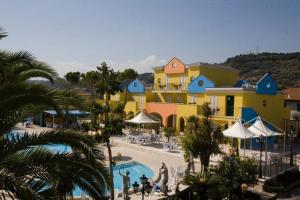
[146, 64]
[63, 67]
[143, 65]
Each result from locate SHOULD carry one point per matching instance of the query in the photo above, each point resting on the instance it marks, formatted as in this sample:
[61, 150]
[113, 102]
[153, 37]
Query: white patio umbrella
[142, 118]
[259, 128]
[238, 130]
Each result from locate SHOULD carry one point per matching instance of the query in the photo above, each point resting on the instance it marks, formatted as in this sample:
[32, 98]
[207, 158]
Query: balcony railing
[170, 87]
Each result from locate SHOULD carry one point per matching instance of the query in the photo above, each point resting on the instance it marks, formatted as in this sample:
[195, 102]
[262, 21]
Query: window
[159, 81]
[229, 105]
[193, 99]
[135, 84]
[298, 106]
[214, 104]
[200, 83]
[174, 65]
[264, 103]
[179, 99]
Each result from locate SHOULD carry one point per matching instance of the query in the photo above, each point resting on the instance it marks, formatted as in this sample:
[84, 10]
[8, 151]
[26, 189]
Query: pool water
[136, 170]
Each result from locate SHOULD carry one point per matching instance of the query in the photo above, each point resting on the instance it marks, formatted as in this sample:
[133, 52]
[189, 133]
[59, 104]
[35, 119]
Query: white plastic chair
[179, 173]
[167, 147]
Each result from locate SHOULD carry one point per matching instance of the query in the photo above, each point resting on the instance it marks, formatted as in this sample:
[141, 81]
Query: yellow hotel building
[180, 89]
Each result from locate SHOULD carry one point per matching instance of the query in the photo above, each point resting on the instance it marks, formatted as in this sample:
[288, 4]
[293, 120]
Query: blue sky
[76, 35]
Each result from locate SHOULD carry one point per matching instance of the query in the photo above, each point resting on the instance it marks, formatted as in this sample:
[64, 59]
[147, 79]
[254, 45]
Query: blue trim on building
[266, 85]
[248, 114]
[136, 86]
[199, 84]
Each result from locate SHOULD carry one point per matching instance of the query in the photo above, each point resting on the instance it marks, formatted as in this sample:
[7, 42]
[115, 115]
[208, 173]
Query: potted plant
[169, 132]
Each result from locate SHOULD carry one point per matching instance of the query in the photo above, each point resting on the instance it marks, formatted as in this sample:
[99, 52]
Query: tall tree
[128, 74]
[73, 78]
[89, 80]
[204, 140]
[126, 77]
[107, 85]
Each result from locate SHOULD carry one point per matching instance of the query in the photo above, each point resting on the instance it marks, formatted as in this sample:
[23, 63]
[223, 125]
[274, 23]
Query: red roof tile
[292, 94]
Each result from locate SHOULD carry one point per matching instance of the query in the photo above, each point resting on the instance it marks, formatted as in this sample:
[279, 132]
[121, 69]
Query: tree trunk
[111, 177]
[93, 98]
[193, 163]
[112, 189]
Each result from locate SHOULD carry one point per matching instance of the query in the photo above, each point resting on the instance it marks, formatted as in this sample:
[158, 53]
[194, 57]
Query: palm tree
[169, 132]
[206, 185]
[108, 85]
[2, 33]
[203, 139]
[28, 169]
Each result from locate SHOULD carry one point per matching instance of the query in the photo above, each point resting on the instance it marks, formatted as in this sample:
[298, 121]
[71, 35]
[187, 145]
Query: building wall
[273, 110]
[184, 104]
[219, 76]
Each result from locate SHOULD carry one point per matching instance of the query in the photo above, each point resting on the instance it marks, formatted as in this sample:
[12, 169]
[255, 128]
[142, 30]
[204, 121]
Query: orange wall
[179, 69]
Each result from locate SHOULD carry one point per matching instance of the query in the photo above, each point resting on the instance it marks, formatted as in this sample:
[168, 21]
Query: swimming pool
[136, 170]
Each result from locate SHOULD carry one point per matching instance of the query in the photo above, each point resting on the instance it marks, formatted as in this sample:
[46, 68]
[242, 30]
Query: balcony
[170, 87]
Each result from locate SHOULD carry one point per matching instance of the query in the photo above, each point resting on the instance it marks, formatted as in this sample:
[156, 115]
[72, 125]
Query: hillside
[285, 67]
[146, 78]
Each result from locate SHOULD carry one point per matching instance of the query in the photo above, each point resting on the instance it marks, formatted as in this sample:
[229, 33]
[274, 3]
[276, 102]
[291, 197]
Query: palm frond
[3, 33]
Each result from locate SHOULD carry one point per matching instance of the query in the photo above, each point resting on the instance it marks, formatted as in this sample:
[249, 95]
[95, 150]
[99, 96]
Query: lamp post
[231, 174]
[135, 186]
[146, 187]
[261, 141]
[292, 131]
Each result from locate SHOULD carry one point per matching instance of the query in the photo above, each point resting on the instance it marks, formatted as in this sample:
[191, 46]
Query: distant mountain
[146, 78]
[285, 67]
[58, 83]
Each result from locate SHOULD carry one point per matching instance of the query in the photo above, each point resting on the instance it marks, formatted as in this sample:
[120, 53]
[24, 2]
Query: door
[141, 102]
[229, 105]
[182, 80]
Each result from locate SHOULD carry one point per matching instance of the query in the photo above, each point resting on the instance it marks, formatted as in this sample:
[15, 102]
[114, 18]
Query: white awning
[238, 130]
[142, 118]
[258, 128]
